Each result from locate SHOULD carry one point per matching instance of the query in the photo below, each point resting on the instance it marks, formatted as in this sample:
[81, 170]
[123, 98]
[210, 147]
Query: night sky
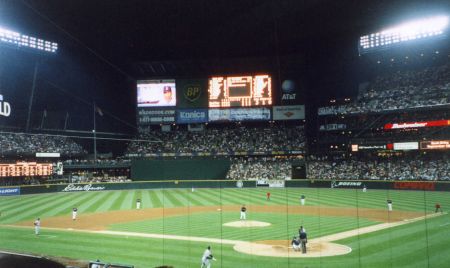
[100, 41]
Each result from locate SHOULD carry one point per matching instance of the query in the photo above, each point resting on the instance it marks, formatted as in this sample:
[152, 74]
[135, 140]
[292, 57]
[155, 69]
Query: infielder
[302, 200]
[438, 207]
[243, 213]
[389, 204]
[37, 226]
[74, 213]
[207, 257]
[138, 203]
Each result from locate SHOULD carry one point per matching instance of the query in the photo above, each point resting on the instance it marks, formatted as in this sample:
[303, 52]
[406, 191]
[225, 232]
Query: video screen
[240, 91]
[156, 93]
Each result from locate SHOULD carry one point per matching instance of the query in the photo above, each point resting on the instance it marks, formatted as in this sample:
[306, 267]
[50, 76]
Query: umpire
[303, 240]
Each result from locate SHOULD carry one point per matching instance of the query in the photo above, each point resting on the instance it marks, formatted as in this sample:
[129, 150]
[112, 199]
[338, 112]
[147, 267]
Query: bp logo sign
[192, 92]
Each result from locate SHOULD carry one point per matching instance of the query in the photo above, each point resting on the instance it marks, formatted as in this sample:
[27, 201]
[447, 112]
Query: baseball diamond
[174, 225]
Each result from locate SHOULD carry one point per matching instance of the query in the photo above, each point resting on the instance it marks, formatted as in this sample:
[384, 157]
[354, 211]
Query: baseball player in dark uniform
[303, 240]
[243, 212]
[437, 207]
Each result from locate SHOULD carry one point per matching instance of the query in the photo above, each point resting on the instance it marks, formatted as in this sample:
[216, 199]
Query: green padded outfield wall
[180, 169]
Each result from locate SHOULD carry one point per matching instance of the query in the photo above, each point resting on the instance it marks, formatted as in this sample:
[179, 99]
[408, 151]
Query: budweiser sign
[437, 123]
[82, 188]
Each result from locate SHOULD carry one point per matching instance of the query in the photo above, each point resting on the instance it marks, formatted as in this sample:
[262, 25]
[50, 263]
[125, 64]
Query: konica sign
[5, 107]
[189, 116]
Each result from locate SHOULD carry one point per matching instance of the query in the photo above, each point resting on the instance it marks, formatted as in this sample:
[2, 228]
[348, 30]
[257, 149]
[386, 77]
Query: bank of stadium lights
[20, 40]
[409, 31]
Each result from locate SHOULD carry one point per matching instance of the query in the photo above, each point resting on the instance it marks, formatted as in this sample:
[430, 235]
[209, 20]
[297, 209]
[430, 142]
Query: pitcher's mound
[245, 223]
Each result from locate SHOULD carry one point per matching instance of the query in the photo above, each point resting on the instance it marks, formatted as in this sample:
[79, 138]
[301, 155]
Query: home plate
[245, 223]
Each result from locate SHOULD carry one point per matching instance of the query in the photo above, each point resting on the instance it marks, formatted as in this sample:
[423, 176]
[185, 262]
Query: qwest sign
[5, 107]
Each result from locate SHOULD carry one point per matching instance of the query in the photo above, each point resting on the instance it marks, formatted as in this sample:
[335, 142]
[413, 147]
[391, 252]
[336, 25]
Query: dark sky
[103, 38]
[137, 30]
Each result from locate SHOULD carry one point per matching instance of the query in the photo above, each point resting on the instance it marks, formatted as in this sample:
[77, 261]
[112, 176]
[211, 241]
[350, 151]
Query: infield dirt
[318, 247]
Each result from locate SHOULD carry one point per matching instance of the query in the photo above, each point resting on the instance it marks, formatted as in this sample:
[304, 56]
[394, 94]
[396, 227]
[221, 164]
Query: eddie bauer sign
[82, 188]
[5, 108]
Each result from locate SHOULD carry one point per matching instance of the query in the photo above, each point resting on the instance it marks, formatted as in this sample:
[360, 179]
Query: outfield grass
[421, 244]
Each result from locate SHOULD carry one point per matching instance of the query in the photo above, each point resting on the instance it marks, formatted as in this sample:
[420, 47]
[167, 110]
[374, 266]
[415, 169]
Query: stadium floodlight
[409, 31]
[20, 40]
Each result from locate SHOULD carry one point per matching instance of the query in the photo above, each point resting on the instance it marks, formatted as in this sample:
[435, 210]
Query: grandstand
[158, 141]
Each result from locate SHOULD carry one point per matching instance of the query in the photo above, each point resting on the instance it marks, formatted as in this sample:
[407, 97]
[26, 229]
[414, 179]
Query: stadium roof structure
[125, 32]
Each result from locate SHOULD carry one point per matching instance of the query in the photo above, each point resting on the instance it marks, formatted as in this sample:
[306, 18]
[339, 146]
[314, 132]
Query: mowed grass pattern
[421, 244]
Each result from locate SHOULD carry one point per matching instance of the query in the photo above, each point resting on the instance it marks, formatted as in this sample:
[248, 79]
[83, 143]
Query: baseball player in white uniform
[389, 204]
[37, 226]
[74, 213]
[243, 213]
[138, 203]
[302, 200]
[207, 257]
[364, 188]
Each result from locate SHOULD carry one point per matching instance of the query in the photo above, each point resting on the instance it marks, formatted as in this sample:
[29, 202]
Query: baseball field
[346, 227]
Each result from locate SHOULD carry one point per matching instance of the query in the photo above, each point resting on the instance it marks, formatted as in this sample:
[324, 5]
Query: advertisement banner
[415, 185]
[437, 123]
[406, 146]
[249, 114]
[10, 191]
[346, 184]
[189, 116]
[239, 114]
[292, 112]
[5, 107]
[83, 188]
[146, 116]
[435, 145]
[332, 127]
[192, 93]
[358, 147]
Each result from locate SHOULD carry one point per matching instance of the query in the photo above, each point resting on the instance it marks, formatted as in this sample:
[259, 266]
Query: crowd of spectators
[30, 144]
[221, 139]
[260, 168]
[380, 169]
[400, 90]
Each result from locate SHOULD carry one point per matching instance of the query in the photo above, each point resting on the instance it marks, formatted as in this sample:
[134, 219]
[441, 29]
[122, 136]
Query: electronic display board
[239, 91]
[21, 169]
[156, 93]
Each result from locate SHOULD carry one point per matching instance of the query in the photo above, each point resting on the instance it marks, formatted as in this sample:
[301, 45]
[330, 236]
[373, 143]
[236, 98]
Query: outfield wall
[169, 184]
[179, 169]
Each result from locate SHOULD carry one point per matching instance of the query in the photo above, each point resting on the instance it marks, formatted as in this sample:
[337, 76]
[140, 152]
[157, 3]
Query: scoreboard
[240, 91]
[23, 169]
